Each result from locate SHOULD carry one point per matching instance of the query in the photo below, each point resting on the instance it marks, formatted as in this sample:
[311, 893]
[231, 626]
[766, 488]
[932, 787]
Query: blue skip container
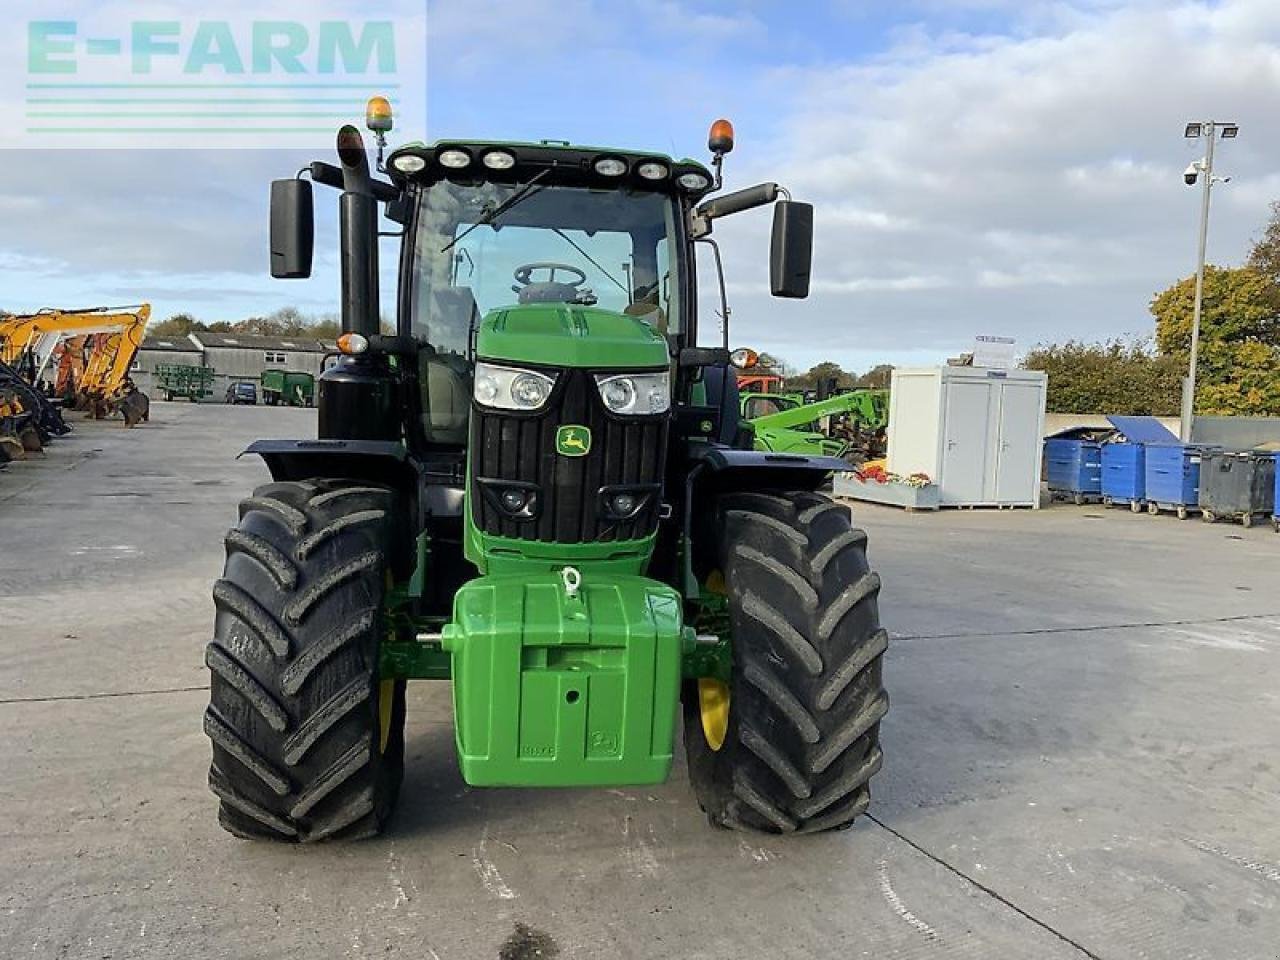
[1173, 478]
[1074, 469]
[1124, 477]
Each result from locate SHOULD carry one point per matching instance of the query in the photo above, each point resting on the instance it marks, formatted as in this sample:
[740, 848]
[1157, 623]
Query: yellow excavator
[90, 352]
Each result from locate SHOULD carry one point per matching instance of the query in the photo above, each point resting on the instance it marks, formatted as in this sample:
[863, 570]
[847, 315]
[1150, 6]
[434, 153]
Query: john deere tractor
[537, 490]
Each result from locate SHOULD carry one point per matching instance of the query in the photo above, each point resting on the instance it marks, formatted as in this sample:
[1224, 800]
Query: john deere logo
[573, 441]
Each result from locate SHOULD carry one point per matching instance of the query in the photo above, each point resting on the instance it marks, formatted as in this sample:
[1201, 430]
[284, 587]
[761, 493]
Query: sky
[993, 167]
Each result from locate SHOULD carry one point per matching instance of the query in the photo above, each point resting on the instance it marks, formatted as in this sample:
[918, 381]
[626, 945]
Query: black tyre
[307, 743]
[805, 699]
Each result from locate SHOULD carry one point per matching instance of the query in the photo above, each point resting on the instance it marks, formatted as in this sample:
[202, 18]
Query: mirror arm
[740, 200]
[326, 174]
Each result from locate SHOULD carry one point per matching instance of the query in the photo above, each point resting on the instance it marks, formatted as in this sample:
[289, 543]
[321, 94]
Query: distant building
[234, 357]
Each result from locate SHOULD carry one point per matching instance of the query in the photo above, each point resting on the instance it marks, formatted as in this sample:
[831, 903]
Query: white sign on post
[994, 352]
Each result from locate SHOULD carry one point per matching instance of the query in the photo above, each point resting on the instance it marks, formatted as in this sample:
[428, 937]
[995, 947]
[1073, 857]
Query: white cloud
[1034, 179]
[1021, 176]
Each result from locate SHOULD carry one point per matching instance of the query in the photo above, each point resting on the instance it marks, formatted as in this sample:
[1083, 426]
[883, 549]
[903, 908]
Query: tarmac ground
[1082, 755]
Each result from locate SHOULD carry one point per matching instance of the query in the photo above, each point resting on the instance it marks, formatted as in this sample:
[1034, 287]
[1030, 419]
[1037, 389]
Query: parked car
[243, 392]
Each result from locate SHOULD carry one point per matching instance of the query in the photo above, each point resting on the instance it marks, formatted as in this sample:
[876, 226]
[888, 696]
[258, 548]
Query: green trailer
[184, 380]
[292, 388]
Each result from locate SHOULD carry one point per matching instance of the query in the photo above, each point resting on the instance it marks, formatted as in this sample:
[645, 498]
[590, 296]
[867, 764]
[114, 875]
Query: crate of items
[1237, 486]
[1173, 478]
[1124, 474]
[873, 484]
[1074, 469]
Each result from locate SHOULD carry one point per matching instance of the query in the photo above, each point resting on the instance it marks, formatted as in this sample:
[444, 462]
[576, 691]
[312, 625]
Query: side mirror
[293, 229]
[791, 253]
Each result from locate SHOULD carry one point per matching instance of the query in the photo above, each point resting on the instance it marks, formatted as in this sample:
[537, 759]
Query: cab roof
[569, 163]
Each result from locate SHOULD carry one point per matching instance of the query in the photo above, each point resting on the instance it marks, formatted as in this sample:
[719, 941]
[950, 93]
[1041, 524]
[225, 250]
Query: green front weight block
[561, 679]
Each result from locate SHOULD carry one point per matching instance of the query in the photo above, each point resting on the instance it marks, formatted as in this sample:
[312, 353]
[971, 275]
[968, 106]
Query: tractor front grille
[627, 454]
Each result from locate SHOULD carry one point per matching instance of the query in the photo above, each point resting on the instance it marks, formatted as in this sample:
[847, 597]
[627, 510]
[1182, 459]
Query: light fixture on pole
[1211, 130]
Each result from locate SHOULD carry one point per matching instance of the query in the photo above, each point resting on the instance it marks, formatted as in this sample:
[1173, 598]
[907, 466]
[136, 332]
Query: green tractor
[538, 490]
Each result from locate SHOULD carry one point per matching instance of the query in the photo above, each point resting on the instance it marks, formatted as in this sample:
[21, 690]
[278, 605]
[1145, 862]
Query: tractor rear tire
[307, 743]
[805, 696]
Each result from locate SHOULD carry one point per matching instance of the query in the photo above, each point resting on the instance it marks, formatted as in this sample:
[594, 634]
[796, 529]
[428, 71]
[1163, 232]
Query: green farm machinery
[856, 420]
[538, 489]
[291, 388]
[184, 380]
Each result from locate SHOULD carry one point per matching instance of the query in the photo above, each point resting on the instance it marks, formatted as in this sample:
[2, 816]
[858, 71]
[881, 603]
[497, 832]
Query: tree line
[825, 372]
[1238, 370]
[285, 322]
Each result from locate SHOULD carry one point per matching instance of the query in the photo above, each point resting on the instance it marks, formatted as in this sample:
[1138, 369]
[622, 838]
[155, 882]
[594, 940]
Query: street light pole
[1210, 130]
[1189, 385]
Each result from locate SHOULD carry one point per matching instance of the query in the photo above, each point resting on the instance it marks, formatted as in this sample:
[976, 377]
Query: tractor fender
[436, 490]
[727, 468]
[381, 461]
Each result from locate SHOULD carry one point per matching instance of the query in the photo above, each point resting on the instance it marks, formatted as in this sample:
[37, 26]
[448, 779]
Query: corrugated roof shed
[169, 344]
[252, 341]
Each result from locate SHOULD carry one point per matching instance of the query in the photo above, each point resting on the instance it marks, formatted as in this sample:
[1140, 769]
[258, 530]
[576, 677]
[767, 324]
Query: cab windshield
[479, 247]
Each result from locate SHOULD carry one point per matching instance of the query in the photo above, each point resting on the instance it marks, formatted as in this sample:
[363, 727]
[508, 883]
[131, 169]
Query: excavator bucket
[135, 407]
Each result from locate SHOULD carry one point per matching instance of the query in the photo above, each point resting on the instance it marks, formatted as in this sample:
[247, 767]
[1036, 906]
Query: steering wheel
[524, 273]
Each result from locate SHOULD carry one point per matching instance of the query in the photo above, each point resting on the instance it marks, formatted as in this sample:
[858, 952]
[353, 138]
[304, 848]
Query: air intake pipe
[357, 398]
[358, 225]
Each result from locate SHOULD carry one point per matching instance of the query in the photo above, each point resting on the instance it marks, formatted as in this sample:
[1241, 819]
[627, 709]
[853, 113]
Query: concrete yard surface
[1082, 755]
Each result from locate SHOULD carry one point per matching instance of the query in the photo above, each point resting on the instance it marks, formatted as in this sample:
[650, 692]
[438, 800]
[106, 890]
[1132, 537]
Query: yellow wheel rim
[713, 704]
[386, 703]
[386, 688]
[713, 695]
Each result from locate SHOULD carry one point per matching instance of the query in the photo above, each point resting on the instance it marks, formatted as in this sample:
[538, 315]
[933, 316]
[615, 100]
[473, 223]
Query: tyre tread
[808, 699]
[293, 712]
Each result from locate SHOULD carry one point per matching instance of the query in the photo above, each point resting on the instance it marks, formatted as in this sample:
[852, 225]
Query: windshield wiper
[521, 195]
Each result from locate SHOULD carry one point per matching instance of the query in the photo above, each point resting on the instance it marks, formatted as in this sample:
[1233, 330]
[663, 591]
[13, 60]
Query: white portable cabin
[977, 432]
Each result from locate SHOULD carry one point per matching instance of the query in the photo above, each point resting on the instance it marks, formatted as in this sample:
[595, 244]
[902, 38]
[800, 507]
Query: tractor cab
[543, 247]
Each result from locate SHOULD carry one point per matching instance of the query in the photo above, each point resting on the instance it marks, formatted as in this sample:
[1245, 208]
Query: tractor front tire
[308, 744]
[805, 695]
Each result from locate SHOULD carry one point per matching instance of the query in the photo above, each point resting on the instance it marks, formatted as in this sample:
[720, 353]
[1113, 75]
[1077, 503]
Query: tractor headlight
[409, 163]
[610, 167]
[652, 170]
[693, 180]
[454, 158]
[635, 394]
[509, 388]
